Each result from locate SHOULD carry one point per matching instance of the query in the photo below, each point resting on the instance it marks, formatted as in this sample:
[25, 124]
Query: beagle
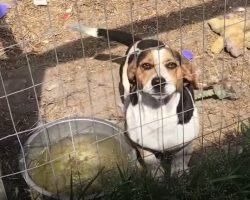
[156, 88]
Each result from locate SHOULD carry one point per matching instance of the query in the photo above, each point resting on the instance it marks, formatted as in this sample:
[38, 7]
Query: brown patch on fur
[176, 73]
[142, 75]
[189, 74]
[188, 70]
[131, 71]
[177, 77]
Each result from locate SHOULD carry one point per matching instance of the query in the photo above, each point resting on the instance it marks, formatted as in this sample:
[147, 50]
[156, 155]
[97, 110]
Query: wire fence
[78, 76]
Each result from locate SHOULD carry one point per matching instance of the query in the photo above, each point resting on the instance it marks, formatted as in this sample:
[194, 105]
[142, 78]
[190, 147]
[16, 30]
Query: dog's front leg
[151, 163]
[181, 159]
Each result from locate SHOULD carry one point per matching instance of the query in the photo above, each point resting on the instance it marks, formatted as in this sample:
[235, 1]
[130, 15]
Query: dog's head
[159, 72]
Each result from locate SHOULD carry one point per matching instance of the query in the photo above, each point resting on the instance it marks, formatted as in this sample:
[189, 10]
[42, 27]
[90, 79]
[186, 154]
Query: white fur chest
[158, 128]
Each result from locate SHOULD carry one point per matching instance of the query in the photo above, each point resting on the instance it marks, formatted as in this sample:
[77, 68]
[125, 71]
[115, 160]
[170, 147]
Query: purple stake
[187, 54]
[4, 8]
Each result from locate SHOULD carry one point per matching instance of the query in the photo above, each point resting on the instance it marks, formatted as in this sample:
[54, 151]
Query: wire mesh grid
[50, 73]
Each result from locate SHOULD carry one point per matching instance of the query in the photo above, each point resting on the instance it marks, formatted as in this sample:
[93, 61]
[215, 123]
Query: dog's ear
[132, 66]
[189, 73]
[188, 70]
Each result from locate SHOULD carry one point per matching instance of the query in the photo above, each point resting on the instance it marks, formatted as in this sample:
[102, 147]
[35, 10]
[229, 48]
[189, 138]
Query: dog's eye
[171, 65]
[147, 66]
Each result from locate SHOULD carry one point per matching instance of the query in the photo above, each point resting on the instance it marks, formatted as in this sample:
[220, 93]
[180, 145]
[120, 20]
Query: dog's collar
[168, 154]
[162, 155]
[165, 154]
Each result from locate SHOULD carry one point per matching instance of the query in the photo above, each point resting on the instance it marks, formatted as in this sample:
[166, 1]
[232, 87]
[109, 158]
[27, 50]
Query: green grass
[218, 174]
[215, 174]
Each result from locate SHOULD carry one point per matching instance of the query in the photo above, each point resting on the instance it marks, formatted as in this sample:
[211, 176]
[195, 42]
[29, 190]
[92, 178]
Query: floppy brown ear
[190, 74]
[131, 72]
[188, 70]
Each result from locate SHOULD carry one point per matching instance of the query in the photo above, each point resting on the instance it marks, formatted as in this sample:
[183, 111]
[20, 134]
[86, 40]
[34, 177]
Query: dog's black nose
[158, 82]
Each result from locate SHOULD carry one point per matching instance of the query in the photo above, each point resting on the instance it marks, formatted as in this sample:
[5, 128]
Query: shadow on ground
[24, 105]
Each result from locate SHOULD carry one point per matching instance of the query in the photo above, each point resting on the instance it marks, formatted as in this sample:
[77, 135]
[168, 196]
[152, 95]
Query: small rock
[41, 2]
[45, 41]
[239, 9]
[51, 87]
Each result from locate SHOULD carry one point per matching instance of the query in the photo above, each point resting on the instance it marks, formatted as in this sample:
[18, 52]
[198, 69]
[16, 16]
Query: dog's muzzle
[158, 84]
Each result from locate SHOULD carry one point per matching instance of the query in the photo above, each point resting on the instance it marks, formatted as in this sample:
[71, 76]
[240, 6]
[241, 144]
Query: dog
[157, 89]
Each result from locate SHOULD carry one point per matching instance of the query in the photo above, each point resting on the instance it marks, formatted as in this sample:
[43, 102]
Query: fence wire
[13, 135]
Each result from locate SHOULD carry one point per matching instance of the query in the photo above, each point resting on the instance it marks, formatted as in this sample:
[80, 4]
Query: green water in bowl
[84, 164]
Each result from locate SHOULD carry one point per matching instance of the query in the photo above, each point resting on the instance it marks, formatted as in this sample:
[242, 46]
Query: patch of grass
[221, 174]
[218, 174]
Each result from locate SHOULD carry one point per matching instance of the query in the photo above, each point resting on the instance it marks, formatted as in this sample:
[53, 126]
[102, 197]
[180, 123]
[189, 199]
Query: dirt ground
[50, 72]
